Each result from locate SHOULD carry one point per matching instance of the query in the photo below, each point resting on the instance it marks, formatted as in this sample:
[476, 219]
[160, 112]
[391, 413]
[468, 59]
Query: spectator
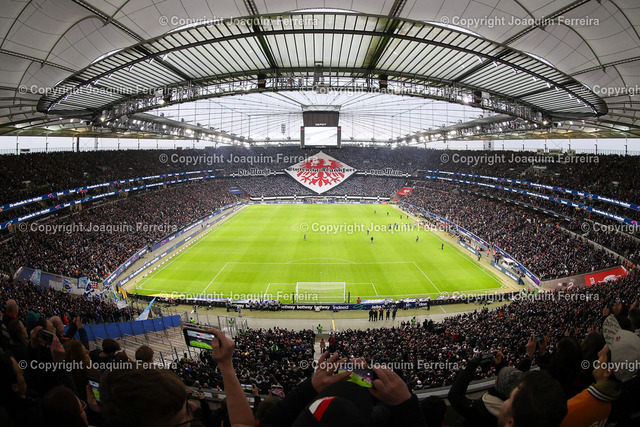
[19, 340]
[591, 346]
[565, 365]
[265, 406]
[21, 408]
[327, 399]
[76, 352]
[144, 398]
[618, 361]
[484, 410]
[74, 327]
[144, 353]
[105, 357]
[10, 313]
[434, 409]
[538, 401]
[61, 408]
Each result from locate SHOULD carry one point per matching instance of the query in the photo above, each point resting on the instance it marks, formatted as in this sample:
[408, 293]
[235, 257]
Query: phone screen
[277, 390]
[247, 387]
[361, 377]
[197, 338]
[95, 388]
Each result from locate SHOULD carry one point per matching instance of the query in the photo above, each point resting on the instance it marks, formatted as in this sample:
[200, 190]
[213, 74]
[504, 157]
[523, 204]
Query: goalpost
[322, 292]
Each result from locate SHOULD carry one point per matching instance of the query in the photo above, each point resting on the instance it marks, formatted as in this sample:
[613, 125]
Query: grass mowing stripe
[264, 251]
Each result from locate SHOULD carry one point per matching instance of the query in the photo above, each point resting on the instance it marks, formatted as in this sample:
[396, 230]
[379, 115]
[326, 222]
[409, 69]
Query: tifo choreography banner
[320, 173]
[405, 191]
[605, 276]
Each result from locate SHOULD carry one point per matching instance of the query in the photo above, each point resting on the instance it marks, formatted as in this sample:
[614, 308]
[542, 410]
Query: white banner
[320, 173]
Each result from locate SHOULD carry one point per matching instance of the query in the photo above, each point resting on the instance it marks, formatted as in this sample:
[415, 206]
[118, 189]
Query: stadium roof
[244, 69]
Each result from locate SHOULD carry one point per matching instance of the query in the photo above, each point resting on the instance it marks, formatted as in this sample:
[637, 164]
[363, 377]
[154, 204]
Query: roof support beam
[253, 11]
[375, 51]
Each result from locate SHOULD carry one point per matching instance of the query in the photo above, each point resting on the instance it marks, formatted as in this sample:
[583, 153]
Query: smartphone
[247, 387]
[46, 336]
[487, 358]
[539, 337]
[95, 389]
[362, 377]
[198, 338]
[277, 390]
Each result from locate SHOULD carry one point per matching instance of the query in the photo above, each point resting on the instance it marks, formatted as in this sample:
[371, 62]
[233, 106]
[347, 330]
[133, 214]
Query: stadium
[416, 213]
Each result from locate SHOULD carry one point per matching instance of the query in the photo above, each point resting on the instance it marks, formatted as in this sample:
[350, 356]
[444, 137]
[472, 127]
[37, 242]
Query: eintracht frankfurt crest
[320, 173]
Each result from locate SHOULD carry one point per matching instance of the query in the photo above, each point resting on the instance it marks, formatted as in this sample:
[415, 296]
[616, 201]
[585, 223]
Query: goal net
[320, 292]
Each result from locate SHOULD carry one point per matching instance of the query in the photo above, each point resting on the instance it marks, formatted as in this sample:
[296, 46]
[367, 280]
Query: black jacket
[285, 412]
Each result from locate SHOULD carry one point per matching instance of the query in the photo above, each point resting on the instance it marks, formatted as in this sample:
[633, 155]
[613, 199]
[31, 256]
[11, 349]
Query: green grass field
[262, 251]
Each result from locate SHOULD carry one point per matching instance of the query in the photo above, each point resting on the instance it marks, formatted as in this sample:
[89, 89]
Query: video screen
[320, 136]
[197, 338]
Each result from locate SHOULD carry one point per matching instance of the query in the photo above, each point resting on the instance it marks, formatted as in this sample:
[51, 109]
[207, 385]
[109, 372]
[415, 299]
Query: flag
[145, 314]
[83, 282]
[36, 276]
[66, 286]
[119, 300]
[121, 291]
[121, 304]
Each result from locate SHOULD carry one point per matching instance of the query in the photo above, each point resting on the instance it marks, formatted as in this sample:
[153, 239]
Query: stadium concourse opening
[407, 213]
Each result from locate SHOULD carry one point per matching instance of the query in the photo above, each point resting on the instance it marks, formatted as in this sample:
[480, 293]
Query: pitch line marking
[468, 259]
[455, 248]
[185, 250]
[320, 263]
[374, 289]
[212, 280]
[434, 285]
[307, 259]
[464, 293]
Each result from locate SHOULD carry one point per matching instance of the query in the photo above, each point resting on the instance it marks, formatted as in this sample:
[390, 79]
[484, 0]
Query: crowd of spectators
[534, 240]
[537, 241]
[279, 185]
[563, 332]
[262, 357]
[29, 175]
[49, 303]
[621, 238]
[449, 345]
[96, 240]
[367, 186]
[56, 171]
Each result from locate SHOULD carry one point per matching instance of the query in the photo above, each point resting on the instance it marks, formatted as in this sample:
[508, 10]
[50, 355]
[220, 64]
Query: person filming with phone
[338, 394]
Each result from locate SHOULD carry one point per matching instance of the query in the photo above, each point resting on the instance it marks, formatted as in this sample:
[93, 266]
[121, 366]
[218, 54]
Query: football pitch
[319, 253]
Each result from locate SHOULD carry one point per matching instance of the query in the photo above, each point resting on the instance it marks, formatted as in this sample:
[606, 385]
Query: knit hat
[31, 318]
[625, 349]
[508, 379]
[343, 404]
